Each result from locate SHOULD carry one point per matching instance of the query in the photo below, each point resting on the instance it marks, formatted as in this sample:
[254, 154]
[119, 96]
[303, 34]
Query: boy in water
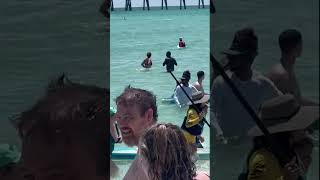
[147, 62]
[182, 44]
[169, 62]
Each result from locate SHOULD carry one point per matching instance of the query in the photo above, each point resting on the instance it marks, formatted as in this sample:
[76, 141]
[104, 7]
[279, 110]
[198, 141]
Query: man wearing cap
[229, 117]
[180, 96]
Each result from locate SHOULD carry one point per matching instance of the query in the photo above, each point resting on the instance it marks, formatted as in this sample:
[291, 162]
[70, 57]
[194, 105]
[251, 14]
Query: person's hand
[292, 170]
[201, 139]
[119, 140]
[204, 111]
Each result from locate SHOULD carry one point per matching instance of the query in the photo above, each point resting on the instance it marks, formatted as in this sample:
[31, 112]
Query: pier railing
[164, 3]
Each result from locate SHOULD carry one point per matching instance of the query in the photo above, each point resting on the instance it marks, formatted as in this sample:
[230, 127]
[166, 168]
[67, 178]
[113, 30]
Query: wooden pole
[148, 5]
[144, 2]
[111, 5]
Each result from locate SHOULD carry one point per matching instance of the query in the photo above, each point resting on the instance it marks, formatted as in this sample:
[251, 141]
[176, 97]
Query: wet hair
[289, 39]
[143, 99]
[64, 104]
[200, 74]
[148, 54]
[167, 152]
[168, 54]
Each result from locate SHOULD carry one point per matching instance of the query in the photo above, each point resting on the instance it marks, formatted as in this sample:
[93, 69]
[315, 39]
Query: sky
[139, 3]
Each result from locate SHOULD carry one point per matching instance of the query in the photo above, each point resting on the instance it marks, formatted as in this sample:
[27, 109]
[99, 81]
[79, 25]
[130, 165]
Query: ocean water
[40, 40]
[133, 34]
[269, 19]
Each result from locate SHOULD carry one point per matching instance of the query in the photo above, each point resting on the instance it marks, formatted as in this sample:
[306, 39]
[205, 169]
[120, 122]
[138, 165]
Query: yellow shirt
[192, 118]
[263, 165]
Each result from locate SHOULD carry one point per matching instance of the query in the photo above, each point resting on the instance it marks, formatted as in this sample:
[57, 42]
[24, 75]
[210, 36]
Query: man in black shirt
[170, 62]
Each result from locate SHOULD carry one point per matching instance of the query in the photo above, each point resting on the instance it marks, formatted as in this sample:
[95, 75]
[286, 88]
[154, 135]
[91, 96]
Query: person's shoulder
[258, 76]
[219, 79]
[201, 175]
[196, 85]
[277, 71]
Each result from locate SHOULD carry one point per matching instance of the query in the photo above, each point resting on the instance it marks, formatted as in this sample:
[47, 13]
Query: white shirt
[229, 116]
[180, 97]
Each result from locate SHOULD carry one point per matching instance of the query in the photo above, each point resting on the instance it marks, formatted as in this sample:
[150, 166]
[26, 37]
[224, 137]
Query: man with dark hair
[136, 112]
[169, 62]
[64, 134]
[283, 74]
[198, 85]
[229, 118]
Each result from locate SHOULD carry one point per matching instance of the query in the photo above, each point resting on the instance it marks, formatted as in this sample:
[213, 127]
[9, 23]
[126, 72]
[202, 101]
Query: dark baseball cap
[244, 42]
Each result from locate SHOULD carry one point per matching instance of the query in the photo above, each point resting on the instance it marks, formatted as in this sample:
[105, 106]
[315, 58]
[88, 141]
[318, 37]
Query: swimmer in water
[182, 44]
[147, 62]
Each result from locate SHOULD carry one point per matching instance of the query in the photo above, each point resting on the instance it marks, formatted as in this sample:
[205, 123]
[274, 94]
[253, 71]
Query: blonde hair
[167, 153]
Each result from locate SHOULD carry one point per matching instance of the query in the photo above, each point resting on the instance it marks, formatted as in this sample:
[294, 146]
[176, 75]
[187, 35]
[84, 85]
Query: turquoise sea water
[135, 33]
[40, 40]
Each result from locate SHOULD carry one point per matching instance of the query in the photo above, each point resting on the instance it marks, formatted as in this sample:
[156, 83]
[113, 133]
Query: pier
[164, 4]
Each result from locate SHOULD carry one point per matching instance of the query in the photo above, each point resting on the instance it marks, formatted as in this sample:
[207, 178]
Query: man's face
[298, 50]
[234, 62]
[184, 82]
[202, 78]
[132, 124]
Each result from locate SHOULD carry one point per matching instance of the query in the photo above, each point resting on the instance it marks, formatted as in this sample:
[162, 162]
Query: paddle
[276, 149]
[198, 111]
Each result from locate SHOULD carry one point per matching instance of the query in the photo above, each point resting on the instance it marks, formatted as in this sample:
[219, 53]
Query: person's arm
[270, 90]
[175, 62]
[307, 102]
[217, 103]
[177, 95]
[164, 62]
[143, 63]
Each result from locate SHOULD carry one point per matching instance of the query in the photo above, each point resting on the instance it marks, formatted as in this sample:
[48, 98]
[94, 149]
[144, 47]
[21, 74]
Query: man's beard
[131, 140]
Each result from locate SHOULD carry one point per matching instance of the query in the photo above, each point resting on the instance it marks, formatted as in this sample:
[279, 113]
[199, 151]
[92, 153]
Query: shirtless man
[283, 74]
[198, 85]
[147, 62]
